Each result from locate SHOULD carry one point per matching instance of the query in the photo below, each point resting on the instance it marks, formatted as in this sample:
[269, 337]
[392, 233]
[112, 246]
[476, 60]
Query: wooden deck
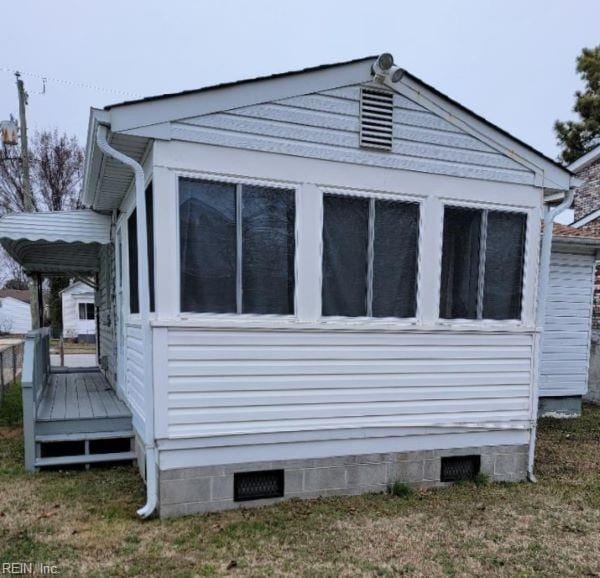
[81, 420]
[79, 394]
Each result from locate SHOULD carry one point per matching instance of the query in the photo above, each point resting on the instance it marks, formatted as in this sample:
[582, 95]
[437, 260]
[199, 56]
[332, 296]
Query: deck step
[82, 436]
[83, 459]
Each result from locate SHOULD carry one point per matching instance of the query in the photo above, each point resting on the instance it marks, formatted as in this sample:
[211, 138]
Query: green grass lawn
[85, 522]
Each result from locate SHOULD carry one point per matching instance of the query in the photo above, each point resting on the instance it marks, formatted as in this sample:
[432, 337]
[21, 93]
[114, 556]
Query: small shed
[79, 312]
[15, 311]
[568, 321]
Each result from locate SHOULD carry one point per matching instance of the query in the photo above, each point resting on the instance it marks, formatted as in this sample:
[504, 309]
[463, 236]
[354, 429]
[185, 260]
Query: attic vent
[376, 119]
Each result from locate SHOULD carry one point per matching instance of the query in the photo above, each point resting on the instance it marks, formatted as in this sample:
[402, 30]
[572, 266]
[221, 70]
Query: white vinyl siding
[134, 372]
[326, 126]
[15, 316]
[223, 383]
[567, 328]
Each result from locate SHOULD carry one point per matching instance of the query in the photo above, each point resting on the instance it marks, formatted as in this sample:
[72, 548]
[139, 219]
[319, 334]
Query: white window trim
[369, 320]
[524, 320]
[236, 180]
[126, 208]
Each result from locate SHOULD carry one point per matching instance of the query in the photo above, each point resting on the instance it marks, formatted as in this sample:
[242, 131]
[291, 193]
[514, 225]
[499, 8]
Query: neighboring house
[587, 217]
[79, 312]
[312, 283]
[566, 339]
[15, 311]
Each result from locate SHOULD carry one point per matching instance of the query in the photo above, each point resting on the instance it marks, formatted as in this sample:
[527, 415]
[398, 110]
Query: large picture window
[482, 264]
[237, 248]
[369, 257]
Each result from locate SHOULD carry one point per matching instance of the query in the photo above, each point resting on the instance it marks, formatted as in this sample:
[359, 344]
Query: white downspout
[543, 277]
[144, 300]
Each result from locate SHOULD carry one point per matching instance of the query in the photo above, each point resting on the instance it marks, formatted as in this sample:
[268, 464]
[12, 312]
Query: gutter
[144, 300]
[543, 279]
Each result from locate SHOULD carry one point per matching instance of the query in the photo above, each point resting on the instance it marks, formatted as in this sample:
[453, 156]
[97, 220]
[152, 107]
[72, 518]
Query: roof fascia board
[585, 220]
[547, 173]
[559, 241]
[89, 179]
[132, 116]
[586, 160]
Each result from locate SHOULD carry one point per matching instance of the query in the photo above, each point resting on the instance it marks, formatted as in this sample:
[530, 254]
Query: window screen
[460, 263]
[482, 264]
[134, 304]
[345, 246]
[237, 248]
[268, 248]
[369, 257]
[505, 242]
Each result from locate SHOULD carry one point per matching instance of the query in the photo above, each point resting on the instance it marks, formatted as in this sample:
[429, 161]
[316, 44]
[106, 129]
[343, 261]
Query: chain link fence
[11, 365]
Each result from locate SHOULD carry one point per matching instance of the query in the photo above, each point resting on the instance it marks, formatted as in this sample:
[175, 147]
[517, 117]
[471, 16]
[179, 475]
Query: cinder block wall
[206, 489]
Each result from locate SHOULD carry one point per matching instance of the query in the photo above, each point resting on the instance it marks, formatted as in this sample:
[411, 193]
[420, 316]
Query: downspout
[144, 300]
[544, 273]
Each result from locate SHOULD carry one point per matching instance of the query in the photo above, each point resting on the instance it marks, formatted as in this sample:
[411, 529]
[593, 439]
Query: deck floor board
[85, 395]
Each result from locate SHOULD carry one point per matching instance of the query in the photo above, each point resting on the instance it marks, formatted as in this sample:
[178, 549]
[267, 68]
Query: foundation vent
[460, 468]
[376, 119]
[257, 485]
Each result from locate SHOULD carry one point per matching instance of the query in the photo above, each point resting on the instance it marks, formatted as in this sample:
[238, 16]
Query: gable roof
[19, 294]
[320, 67]
[150, 117]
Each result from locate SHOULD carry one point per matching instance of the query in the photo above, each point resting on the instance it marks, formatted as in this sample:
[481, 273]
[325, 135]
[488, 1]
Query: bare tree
[57, 170]
[56, 164]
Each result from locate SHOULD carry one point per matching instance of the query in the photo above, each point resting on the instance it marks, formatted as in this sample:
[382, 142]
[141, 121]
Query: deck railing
[11, 363]
[36, 368]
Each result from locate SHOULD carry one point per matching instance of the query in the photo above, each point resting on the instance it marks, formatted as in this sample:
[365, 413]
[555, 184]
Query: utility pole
[27, 200]
[35, 282]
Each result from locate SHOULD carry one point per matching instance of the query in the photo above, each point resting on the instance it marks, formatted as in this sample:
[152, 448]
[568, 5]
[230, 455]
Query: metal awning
[58, 243]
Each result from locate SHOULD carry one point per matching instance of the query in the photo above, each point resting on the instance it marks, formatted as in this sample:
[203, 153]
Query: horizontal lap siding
[231, 382]
[134, 358]
[566, 339]
[326, 126]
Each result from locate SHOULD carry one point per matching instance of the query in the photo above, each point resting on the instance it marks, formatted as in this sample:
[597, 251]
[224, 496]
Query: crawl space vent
[257, 485]
[460, 468]
[376, 119]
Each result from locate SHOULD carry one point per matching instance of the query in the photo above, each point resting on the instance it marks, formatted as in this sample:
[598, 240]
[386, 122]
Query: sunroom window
[369, 257]
[237, 248]
[482, 264]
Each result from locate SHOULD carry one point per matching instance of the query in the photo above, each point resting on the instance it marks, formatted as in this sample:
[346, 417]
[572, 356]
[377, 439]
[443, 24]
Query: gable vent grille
[376, 119]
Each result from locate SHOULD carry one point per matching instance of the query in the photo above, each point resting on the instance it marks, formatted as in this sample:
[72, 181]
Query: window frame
[373, 196]
[239, 182]
[528, 213]
[86, 305]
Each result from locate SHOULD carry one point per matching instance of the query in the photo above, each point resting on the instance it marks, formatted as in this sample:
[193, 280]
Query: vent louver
[376, 119]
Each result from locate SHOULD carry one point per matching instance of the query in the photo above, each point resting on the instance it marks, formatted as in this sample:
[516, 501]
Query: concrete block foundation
[560, 407]
[211, 488]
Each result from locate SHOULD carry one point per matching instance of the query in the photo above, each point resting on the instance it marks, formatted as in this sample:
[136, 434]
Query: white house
[15, 311]
[79, 312]
[311, 283]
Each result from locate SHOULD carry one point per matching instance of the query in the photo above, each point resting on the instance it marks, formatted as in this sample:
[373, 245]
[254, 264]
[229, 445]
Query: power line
[44, 78]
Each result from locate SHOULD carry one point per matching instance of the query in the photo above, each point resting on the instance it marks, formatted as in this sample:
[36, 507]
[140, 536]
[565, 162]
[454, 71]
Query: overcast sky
[512, 61]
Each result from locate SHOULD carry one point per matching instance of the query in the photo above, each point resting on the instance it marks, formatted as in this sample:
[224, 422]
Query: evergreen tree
[580, 136]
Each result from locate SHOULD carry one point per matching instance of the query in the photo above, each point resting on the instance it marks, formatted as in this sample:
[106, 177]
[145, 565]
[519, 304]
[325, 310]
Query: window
[134, 304]
[86, 311]
[369, 257]
[237, 248]
[482, 264]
